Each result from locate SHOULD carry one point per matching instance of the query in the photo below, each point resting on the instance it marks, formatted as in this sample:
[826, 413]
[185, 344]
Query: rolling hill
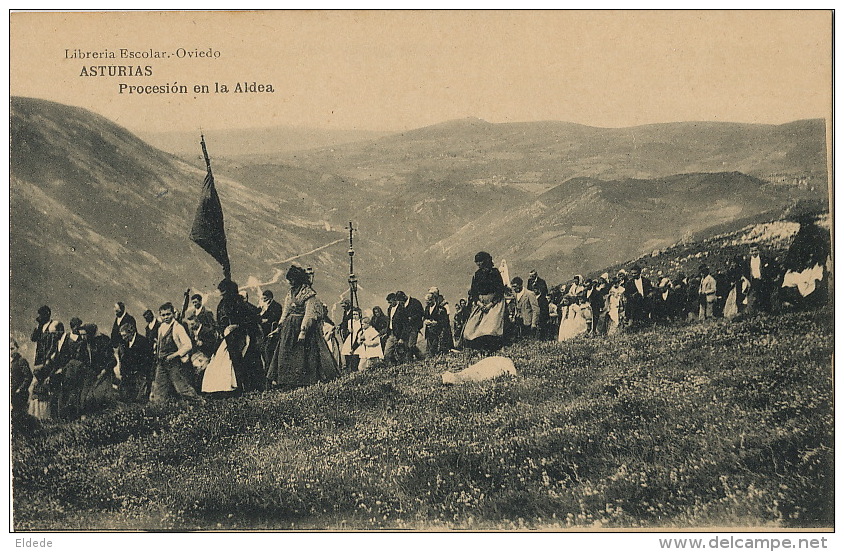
[540, 155]
[675, 426]
[558, 196]
[97, 215]
[585, 224]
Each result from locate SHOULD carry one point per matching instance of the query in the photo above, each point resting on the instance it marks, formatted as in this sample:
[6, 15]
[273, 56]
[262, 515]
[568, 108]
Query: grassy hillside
[97, 216]
[585, 224]
[715, 424]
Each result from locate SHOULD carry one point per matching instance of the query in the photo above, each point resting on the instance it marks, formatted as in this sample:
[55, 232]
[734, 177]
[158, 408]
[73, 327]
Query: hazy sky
[400, 70]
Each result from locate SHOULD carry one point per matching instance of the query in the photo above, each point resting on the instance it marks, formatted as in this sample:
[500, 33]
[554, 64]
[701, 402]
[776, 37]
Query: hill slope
[698, 425]
[544, 154]
[560, 197]
[707, 425]
[585, 224]
[97, 216]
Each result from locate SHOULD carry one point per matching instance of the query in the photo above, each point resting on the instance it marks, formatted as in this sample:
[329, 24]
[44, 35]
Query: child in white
[370, 348]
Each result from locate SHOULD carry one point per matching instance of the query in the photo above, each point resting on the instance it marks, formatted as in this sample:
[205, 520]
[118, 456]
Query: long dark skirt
[296, 364]
[247, 364]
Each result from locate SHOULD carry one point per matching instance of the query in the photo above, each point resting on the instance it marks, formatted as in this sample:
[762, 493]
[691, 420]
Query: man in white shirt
[75, 324]
[527, 309]
[205, 316]
[120, 317]
[757, 272]
[707, 293]
[171, 350]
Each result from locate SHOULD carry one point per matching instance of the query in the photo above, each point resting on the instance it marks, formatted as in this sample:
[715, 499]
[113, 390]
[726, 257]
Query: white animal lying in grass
[486, 369]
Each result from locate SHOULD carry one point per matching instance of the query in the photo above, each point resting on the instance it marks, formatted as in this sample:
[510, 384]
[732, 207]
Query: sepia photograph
[422, 271]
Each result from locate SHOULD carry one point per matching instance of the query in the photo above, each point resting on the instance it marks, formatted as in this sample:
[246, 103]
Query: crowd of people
[195, 354]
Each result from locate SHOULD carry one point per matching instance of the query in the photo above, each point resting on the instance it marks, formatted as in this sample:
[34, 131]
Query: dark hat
[482, 256]
[227, 286]
[297, 275]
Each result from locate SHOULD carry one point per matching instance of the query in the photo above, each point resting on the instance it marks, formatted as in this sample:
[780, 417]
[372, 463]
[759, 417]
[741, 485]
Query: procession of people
[194, 355]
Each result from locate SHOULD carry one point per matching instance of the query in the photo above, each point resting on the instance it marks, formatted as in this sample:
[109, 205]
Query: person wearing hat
[394, 346]
[596, 296]
[526, 314]
[707, 293]
[302, 356]
[485, 327]
[415, 315]
[435, 321]
[40, 335]
[539, 288]
[638, 290]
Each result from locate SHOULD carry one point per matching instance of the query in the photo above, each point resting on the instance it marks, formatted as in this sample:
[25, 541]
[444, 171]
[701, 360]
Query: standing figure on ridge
[151, 326]
[120, 317]
[41, 334]
[302, 356]
[527, 310]
[137, 365]
[707, 293]
[638, 290]
[414, 315]
[538, 286]
[485, 326]
[436, 325]
[171, 351]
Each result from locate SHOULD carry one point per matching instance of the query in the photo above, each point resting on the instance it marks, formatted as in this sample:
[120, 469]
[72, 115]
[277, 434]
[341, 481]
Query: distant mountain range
[540, 155]
[99, 215]
[255, 142]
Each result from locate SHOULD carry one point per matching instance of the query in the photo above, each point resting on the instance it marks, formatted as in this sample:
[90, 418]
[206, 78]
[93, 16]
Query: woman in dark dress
[302, 356]
[485, 326]
[381, 323]
[240, 326]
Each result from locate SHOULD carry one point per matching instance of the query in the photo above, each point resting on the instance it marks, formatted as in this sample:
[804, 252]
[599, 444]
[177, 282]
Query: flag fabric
[208, 231]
